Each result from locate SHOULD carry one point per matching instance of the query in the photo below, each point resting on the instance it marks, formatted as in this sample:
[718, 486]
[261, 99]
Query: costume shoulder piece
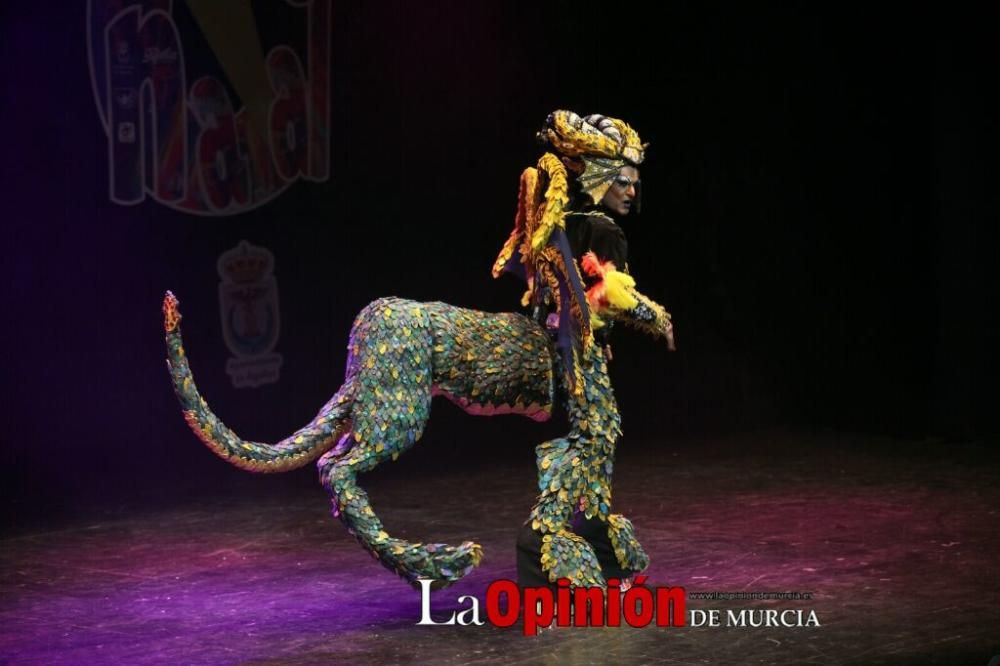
[593, 150]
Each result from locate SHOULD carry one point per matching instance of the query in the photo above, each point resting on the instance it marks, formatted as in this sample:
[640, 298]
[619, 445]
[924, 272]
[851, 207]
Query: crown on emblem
[245, 264]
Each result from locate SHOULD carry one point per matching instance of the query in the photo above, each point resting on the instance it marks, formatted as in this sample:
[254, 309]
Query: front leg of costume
[574, 478]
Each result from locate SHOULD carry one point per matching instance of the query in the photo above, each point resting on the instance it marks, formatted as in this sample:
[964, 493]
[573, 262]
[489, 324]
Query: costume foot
[628, 551]
[442, 563]
[568, 555]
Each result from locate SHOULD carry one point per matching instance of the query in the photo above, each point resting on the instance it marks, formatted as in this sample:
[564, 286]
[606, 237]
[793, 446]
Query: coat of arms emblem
[248, 305]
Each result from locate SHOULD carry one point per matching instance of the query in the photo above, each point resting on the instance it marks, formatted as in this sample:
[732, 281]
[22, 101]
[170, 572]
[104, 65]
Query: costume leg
[391, 353]
[627, 550]
[598, 534]
[529, 559]
[579, 538]
[593, 530]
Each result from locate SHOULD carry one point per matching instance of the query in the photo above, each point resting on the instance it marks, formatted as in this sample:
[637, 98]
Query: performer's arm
[614, 296]
[647, 315]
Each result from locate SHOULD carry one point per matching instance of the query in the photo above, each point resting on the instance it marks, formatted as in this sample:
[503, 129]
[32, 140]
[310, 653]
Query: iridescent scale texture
[402, 353]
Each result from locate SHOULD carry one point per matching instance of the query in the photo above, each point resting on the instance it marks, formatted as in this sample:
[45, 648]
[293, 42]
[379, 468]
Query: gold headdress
[594, 149]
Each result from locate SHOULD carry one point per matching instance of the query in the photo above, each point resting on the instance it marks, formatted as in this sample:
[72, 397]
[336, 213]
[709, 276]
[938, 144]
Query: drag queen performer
[568, 246]
[402, 353]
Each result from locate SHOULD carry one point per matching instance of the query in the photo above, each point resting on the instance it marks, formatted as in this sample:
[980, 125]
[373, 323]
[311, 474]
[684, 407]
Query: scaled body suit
[573, 258]
[402, 353]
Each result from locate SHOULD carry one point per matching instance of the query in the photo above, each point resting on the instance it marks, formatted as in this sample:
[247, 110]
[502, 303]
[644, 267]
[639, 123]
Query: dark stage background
[815, 207]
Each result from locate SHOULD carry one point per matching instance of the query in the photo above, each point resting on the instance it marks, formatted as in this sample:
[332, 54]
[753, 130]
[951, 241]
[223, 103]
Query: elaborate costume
[573, 257]
[402, 353]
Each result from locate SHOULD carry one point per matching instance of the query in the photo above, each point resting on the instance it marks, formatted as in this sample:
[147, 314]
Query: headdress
[594, 149]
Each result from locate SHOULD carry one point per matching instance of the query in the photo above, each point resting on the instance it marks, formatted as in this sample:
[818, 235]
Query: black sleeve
[607, 240]
[600, 234]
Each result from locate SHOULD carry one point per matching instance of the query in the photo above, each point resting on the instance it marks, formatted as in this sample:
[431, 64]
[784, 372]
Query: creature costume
[402, 353]
[571, 532]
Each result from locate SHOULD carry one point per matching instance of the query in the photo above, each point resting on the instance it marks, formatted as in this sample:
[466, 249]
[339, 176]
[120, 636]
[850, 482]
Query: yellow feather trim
[618, 289]
[529, 184]
[525, 206]
[556, 200]
[506, 253]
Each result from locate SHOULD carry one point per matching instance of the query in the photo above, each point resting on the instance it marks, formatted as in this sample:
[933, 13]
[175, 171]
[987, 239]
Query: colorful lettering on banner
[289, 122]
[220, 164]
[172, 129]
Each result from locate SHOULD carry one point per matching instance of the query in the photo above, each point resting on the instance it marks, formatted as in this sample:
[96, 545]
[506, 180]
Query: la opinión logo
[638, 606]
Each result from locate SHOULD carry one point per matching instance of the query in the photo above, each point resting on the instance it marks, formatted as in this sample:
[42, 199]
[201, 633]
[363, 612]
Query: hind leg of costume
[391, 349]
[444, 564]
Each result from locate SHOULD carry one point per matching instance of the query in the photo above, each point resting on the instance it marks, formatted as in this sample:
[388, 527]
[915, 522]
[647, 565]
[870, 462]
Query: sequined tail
[302, 447]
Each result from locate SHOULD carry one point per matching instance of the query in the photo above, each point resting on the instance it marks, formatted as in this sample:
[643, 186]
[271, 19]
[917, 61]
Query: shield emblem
[248, 300]
[250, 323]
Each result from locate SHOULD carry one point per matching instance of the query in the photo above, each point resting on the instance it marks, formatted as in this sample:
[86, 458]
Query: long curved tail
[302, 447]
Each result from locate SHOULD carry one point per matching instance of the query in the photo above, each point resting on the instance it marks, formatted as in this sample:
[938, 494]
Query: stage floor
[898, 542]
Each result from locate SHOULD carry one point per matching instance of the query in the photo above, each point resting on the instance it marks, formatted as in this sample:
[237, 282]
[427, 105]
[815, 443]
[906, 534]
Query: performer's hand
[670, 336]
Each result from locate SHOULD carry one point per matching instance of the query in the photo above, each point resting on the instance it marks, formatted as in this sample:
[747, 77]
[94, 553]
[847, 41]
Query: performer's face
[620, 197]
